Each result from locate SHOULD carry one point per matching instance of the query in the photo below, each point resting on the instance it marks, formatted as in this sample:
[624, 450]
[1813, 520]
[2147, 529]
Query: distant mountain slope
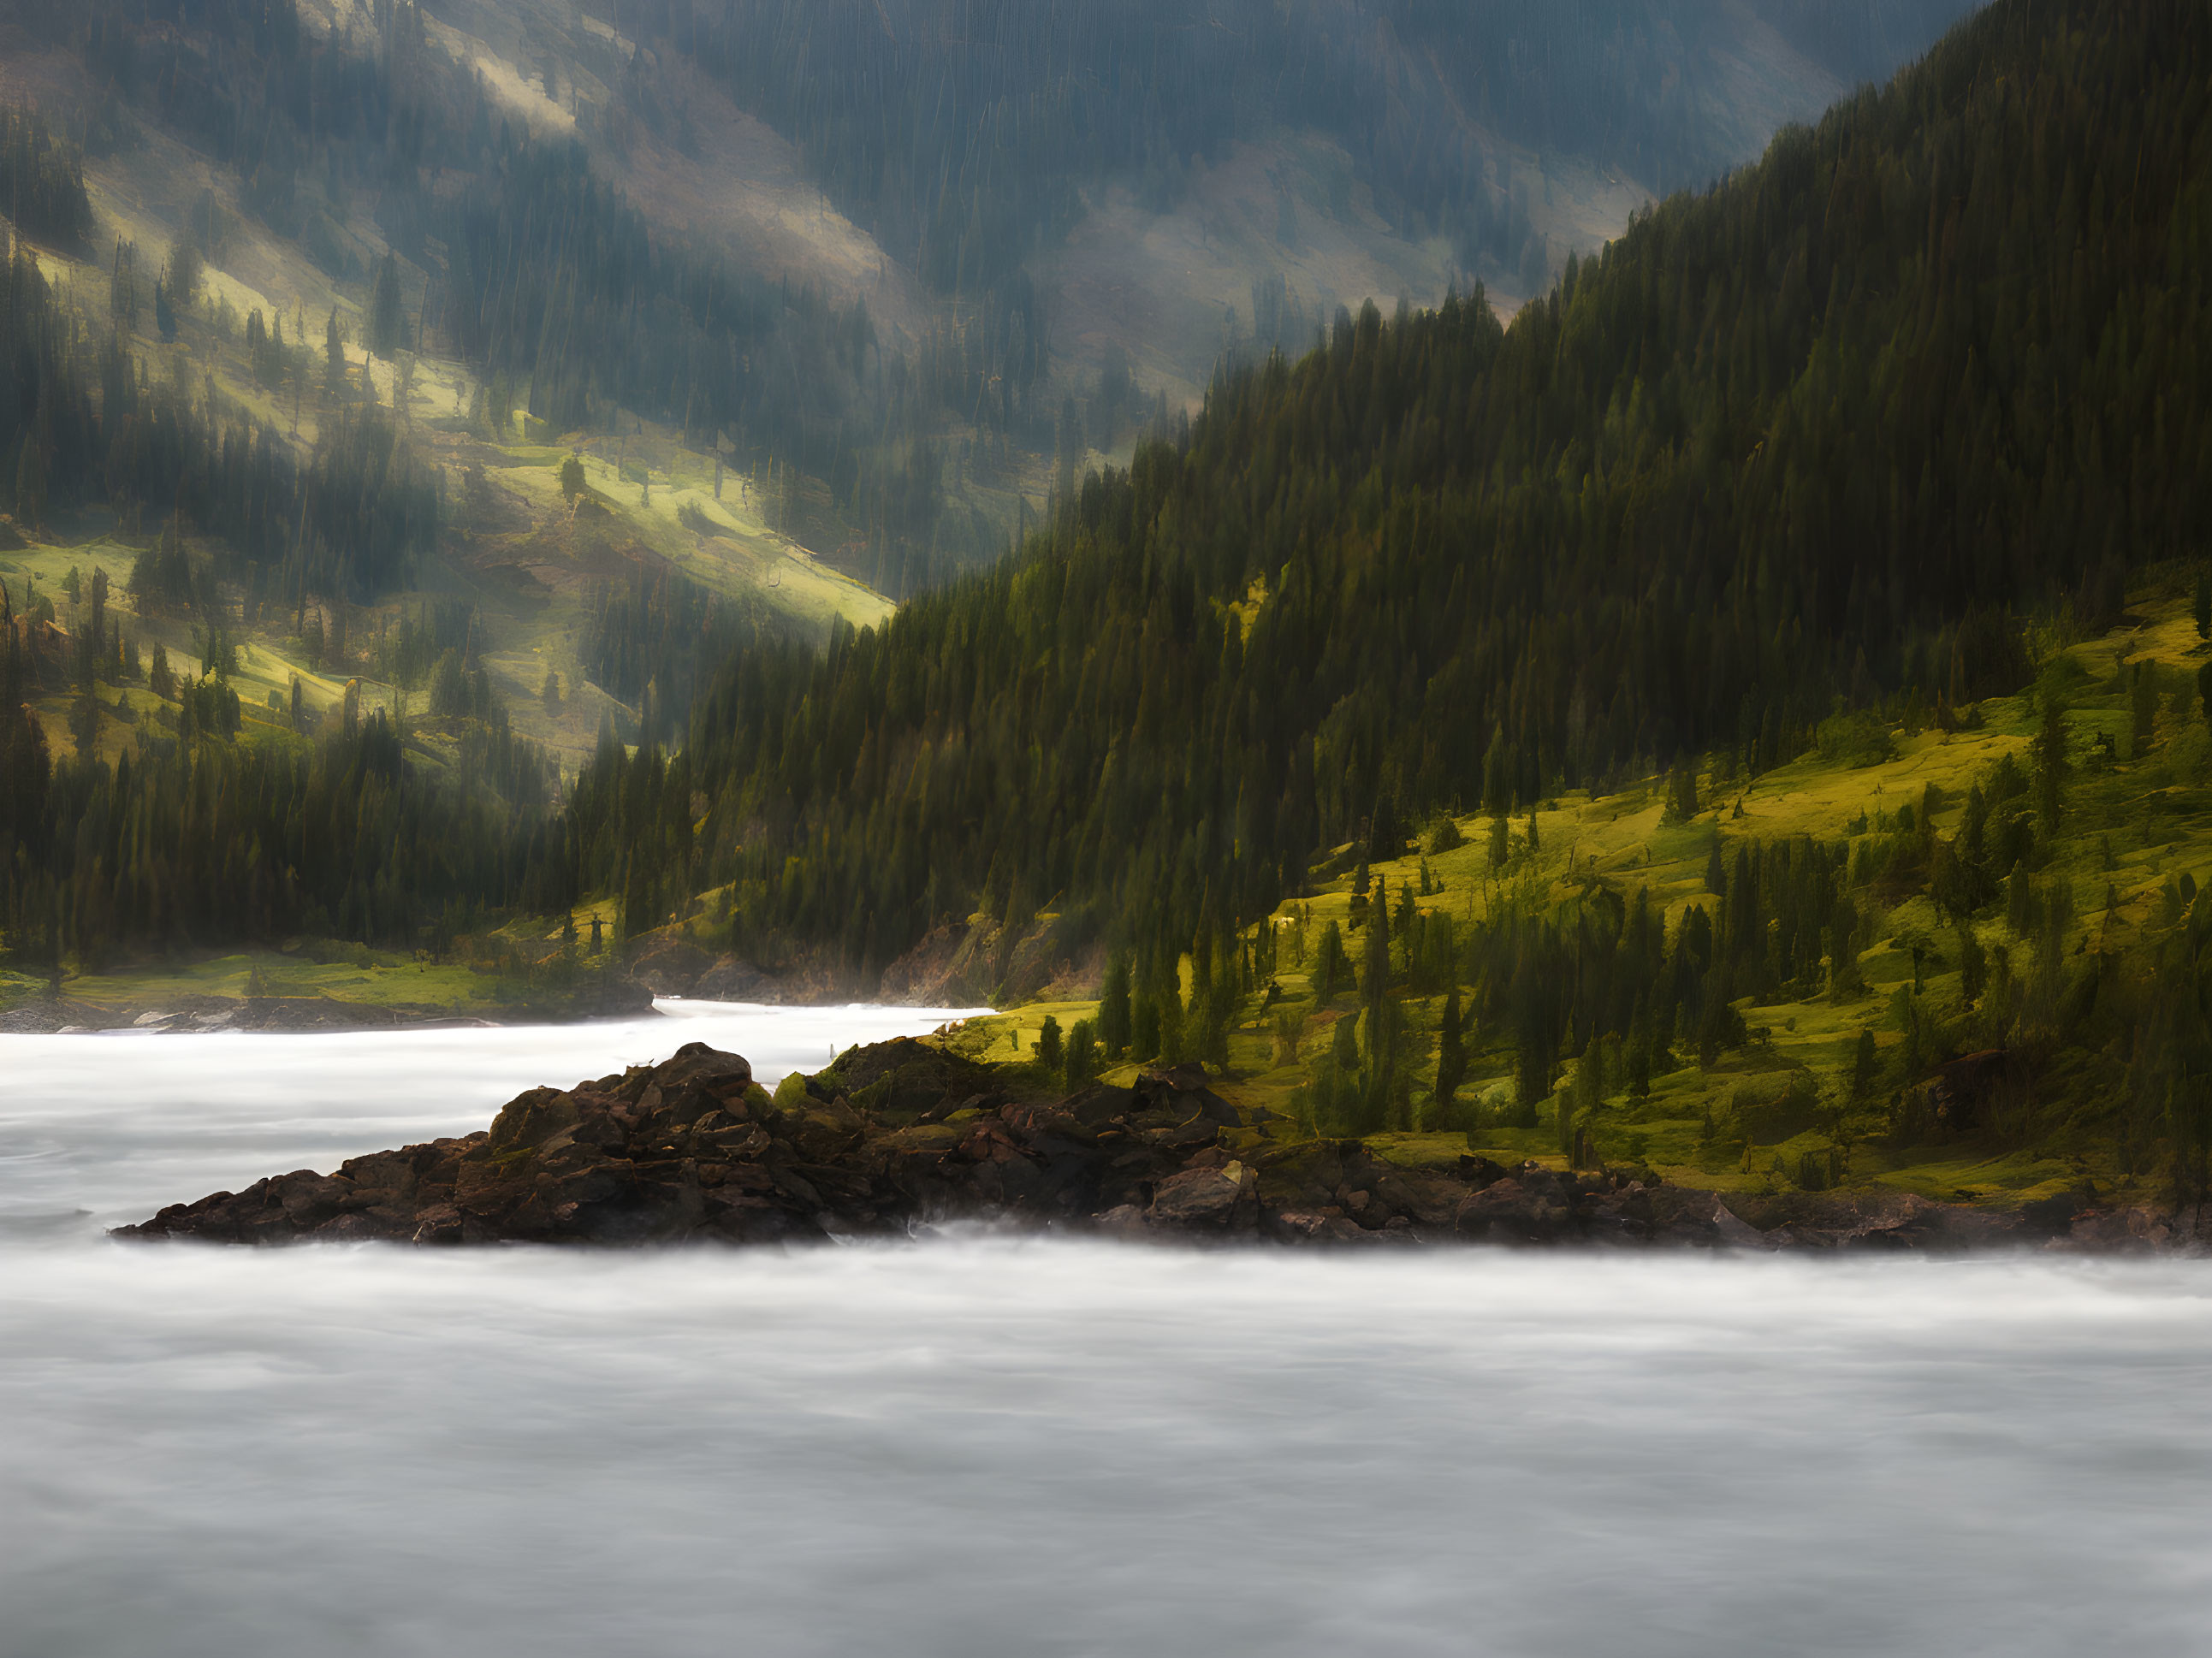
[903, 152]
[1054, 218]
[1424, 141]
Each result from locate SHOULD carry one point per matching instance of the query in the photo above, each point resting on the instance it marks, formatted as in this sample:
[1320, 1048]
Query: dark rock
[1532, 1207]
[904, 1134]
[733, 979]
[1217, 1200]
[2133, 1231]
[670, 966]
[1676, 1214]
[2054, 1216]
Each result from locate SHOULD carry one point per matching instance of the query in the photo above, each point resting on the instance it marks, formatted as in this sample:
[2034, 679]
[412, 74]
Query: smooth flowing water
[987, 1446]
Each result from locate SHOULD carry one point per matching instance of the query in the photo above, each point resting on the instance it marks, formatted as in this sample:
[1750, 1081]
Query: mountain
[1166, 179]
[1151, 185]
[1810, 440]
[1808, 592]
[1792, 604]
[924, 258]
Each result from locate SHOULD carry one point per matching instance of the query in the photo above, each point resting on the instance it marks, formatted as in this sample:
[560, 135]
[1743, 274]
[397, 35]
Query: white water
[985, 1448]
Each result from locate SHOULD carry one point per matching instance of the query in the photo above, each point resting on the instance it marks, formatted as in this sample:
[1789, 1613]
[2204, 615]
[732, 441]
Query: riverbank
[904, 1134]
[308, 989]
[203, 1015]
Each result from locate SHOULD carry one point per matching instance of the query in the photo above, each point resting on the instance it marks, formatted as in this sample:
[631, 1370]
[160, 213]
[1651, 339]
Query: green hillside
[1841, 455]
[1909, 1017]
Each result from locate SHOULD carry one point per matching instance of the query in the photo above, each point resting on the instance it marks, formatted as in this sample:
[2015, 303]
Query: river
[980, 1445]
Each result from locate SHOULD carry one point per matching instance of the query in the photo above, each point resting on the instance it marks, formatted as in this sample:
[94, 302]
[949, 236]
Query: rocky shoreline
[901, 1136]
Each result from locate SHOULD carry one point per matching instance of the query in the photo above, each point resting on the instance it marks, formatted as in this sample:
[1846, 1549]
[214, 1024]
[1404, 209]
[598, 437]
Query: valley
[1439, 737]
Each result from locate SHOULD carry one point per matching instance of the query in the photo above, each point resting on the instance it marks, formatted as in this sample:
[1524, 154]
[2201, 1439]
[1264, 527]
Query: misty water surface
[988, 1445]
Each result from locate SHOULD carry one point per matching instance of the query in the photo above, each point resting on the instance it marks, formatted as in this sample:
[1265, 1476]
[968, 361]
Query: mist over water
[984, 1446]
[98, 1130]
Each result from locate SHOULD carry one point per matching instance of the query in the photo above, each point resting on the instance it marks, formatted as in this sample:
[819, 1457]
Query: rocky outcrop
[963, 963]
[733, 979]
[941, 971]
[670, 966]
[903, 1135]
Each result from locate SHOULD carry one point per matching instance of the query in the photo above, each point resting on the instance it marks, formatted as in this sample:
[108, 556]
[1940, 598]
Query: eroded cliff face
[902, 1136]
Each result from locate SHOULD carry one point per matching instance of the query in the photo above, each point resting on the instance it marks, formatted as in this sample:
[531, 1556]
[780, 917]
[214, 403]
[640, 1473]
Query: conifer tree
[1866, 1067]
[1080, 1063]
[1331, 969]
[186, 269]
[2051, 761]
[1114, 1010]
[30, 482]
[334, 356]
[387, 318]
[1451, 1053]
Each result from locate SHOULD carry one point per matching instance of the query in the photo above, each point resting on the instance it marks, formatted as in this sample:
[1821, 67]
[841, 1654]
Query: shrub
[1081, 1060]
[1854, 739]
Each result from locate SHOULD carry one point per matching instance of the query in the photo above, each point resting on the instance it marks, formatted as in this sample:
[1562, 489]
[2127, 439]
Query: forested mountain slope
[1814, 437]
[921, 256]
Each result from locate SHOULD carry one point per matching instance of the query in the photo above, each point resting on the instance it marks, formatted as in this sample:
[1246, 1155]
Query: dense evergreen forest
[1811, 440]
[42, 180]
[222, 827]
[536, 272]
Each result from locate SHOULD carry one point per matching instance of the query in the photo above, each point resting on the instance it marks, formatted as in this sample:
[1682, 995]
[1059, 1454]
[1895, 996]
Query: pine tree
[1681, 794]
[2050, 761]
[1330, 968]
[185, 269]
[30, 482]
[1344, 1043]
[1451, 1053]
[1866, 1067]
[387, 322]
[1081, 1061]
[1386, 836]
[1114, 1010]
